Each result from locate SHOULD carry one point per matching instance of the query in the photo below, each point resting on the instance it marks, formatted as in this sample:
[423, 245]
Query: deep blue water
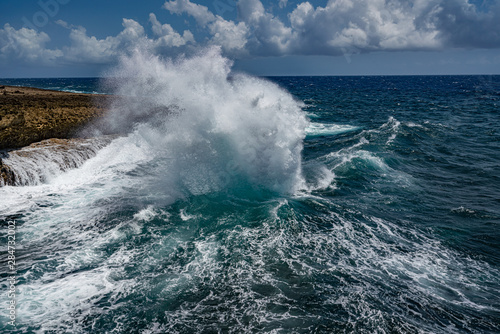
[74, 85]
[395, 227]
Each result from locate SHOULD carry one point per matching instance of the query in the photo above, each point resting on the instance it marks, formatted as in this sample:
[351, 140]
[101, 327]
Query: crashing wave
[39, 162]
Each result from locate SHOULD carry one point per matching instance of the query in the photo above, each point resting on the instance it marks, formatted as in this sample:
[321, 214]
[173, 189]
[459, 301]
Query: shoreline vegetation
[31, 115]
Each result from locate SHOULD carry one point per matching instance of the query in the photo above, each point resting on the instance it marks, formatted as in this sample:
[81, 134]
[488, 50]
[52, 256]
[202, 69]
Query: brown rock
[7, 176]
[29, 115]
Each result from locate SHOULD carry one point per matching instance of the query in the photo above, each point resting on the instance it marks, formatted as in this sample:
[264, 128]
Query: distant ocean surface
[73, 85]
[270, 205]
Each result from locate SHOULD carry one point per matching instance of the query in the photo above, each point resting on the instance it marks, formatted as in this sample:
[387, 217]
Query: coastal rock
[7, 176]
[29, 115]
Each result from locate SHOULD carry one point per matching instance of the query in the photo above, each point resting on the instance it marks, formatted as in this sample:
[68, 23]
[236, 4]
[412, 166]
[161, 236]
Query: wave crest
[210, 128]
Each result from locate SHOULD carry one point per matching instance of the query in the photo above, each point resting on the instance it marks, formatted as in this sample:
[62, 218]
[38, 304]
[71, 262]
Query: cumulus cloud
[27, 45]
[200, 13]
[89, 49]
[270, 36]
[367, 25]
[167, 36]
[229, 35]
[355, 25]
[339, 27]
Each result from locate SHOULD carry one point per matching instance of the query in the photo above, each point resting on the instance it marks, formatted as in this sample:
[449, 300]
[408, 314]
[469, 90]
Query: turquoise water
[278, 205]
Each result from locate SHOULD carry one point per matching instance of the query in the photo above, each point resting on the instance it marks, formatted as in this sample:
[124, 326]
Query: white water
[41, 162]
[206, 128]
[325, 129]
[80, 253]
[188, 127]
[210, 128]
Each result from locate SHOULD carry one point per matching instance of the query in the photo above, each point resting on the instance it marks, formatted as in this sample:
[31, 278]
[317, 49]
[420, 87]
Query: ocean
[235, 204]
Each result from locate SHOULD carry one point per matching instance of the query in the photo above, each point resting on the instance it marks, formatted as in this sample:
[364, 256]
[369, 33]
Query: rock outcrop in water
[29, 115]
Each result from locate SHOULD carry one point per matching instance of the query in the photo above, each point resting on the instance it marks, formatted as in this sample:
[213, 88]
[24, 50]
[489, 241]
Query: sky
[84, 38]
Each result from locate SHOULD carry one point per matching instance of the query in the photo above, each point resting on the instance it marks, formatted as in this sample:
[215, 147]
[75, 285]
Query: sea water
[235, 204]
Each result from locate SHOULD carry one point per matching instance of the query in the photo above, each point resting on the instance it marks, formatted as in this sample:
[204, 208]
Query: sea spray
[210, 129]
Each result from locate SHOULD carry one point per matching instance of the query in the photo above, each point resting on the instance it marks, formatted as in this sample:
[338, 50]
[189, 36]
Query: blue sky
[74, 38]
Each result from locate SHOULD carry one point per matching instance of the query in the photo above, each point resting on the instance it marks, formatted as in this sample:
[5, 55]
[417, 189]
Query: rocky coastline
[32, 118]
[29, 115]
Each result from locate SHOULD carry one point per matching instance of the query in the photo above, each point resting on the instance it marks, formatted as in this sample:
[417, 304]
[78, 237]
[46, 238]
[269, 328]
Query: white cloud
[167, 36]
[367, 25]
[89, 49]
[355, 25]
[26, 45]
[363, 25]
[270, 36]
[229, 35]
[340, 27]
[257, 30]
[64, 24]
[200, 13]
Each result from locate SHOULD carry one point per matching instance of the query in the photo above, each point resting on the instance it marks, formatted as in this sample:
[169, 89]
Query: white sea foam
[41, 162]
[188, 127]
[325, 129]
[94, 253]
[146, 214]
